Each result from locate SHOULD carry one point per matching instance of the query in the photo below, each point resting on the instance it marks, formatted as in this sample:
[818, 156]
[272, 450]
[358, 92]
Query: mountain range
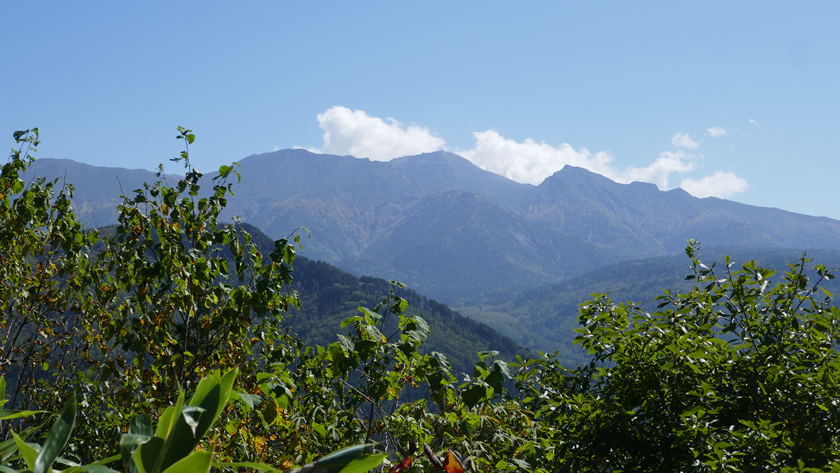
[458, 233]
[517, 257]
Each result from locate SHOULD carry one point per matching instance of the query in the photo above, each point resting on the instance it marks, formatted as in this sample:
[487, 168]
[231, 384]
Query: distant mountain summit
[97, 189]
[638, 220]
[347, 202]
[455, 231]
[442, 170]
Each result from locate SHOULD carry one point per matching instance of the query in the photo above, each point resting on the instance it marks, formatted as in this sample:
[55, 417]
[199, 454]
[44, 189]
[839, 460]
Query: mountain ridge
[354, 207]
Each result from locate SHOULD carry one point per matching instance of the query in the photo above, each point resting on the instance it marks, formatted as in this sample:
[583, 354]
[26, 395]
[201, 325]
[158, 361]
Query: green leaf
[250, 465]
[186, 430]
[191, 415]
[90, 469]
[130, 442]
[486, 354]
[249, 399]
[7, 415]
[473, 395]
[146, 456]
[364, 465]
[29, 454]
[347, 460]
[371, 318]
[57, 438]
[212, 396]
[196, 462]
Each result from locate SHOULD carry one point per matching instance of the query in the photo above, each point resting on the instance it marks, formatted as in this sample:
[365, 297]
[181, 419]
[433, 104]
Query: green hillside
[329, 295]
[544, 318]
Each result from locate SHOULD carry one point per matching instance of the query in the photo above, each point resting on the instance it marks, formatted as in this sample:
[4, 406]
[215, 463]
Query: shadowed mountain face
[456, 232]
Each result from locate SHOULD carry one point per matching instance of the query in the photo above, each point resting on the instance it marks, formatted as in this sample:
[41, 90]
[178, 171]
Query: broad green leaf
[129, 443]
[146, 456]
[57, 438]
[106, 461]
[249, 399]
[196, 462]
[249, 465]
[165, 432]
[212, 395]
[29, 454]
[486, 354]
[8, 415]
[90, 469]
[191, 415]
[371, 317]
[473, 395]
[365, 464]
[347, 460]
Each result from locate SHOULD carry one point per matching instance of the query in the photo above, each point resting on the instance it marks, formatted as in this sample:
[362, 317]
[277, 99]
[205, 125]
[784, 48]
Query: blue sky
[734, 99]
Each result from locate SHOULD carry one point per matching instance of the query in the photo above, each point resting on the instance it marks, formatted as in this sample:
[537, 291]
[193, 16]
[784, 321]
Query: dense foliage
[544, 318]
[737, 372]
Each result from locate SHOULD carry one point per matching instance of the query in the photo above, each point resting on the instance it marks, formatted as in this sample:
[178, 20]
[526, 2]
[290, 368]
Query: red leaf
[401, 466]
[452, 464]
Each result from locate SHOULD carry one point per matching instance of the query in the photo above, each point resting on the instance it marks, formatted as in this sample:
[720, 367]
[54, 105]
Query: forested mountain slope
[329, 295]
[544, 318]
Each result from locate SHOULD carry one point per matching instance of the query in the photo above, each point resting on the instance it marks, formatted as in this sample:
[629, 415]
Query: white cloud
[356, 133]
[682, 140]
[752, 121]
[658, 171]
[531, 162]
[720, 184]
[716, 131]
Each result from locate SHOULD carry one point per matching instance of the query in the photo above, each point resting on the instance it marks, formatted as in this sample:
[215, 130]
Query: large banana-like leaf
[347, 460]
[180, 428]
[196, 462]
[28, 453]
[57, 438]
[139, 432]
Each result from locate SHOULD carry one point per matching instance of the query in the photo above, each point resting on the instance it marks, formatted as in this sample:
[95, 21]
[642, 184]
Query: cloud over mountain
[354, 132]
[358, 134]
[720, 184]
[531, 162]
